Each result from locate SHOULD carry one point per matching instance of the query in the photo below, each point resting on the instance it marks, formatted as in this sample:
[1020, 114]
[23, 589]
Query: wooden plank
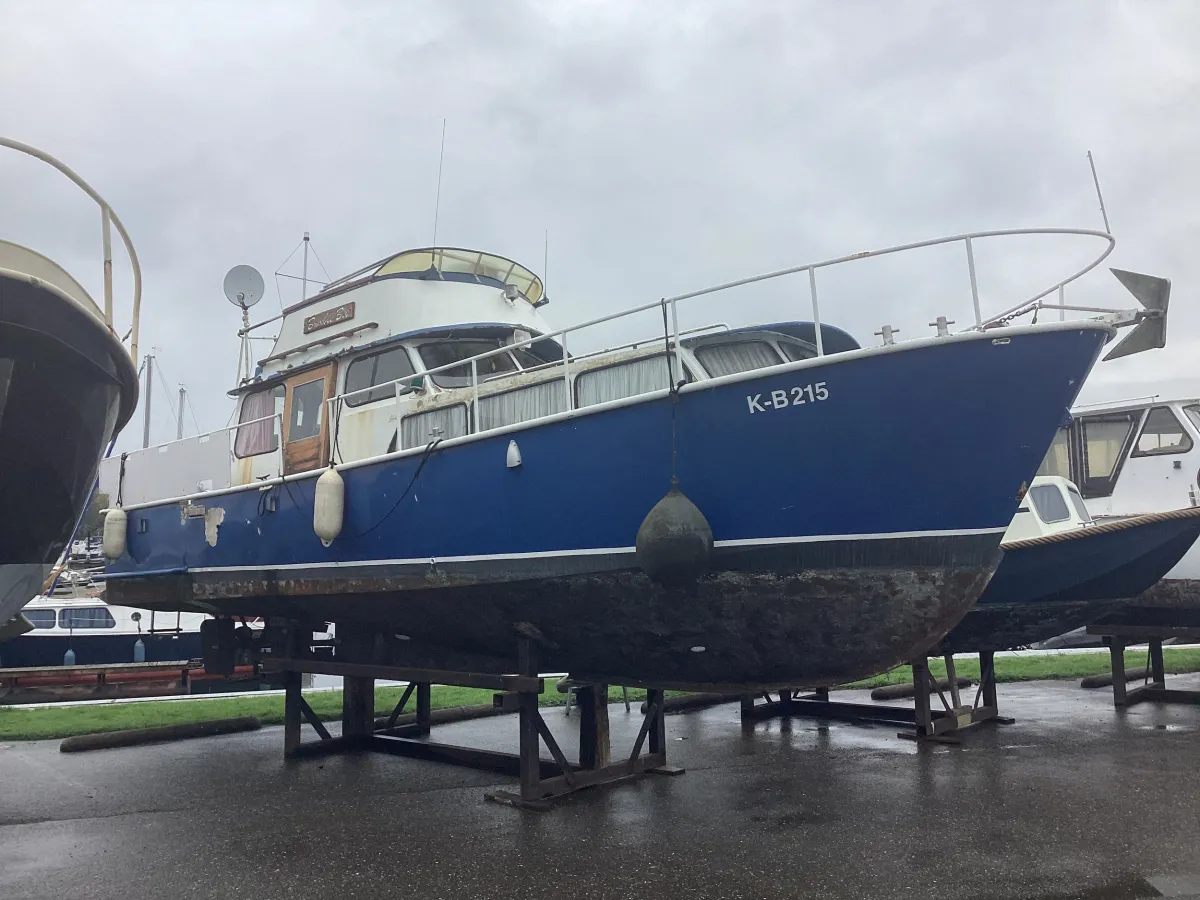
[396, 673]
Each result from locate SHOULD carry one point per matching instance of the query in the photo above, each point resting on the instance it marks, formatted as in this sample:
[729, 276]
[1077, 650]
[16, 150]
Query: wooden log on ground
[680, 702]
[1099, 681]
[159, 734]
[900, 691]
[449, 714]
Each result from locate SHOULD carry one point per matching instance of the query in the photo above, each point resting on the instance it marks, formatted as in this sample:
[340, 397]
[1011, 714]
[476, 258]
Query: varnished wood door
[306, 420]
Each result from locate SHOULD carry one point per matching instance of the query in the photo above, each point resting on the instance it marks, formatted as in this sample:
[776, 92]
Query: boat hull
[1049, 586]
[849, 534]
[66, 386]
[32, 650]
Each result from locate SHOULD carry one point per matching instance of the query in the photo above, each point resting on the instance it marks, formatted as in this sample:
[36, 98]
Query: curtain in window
[729, 359]
[421, 429]
[521, 405]
[639, 376]
[258, 437]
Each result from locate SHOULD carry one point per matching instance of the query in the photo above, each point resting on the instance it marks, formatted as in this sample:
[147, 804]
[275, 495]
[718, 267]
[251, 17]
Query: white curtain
[729, 359]
[422, 428]
[521, 405]
[640, 376]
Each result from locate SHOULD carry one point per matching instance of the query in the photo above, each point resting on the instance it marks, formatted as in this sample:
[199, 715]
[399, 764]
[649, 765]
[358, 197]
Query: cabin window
[1077, 502]
[308, 399]
[89, 617]
[1193, 413]
[41, 618]
[732, 358]
[424, 428]
[521, 405]
[1049, 503]
[1058, 457]
[259, 436]
[528, 359]
[446, 352]
[383, 368]
[795, 351]
[1105, 440]
[1162, 434]
[627, 379]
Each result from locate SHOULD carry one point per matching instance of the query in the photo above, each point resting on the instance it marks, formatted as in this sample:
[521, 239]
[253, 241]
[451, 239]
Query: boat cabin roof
[441, 264]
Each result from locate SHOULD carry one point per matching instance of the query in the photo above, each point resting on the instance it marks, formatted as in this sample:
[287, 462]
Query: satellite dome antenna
[244, 287]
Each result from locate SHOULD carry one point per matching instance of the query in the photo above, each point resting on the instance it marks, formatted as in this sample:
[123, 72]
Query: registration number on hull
[797, 396]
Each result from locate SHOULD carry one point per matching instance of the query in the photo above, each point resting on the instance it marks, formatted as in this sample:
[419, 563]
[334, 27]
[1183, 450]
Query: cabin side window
[381, 368]
[1058, 457]
[1105, 442]
[261, 434]
[89, 617]
[627, 379]
[1080, 507]
[41, 618]
[1162, 434]
[1049, 503]
[796, 351]
[732, 358]
[1193, 413]
[521, 405]
[445, 352]
[421, 429]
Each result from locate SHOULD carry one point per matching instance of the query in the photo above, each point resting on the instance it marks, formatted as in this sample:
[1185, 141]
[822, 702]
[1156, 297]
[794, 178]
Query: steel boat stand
[541, 781]
[927, 723]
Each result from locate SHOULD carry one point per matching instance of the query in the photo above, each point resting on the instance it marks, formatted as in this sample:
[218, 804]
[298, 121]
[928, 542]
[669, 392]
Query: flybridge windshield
[452, 264]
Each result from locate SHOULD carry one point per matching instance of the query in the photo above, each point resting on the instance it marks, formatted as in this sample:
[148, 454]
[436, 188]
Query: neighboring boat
[1131, 458]
[478, 483]
[99, 634]
[67, 386]
[1062, 571]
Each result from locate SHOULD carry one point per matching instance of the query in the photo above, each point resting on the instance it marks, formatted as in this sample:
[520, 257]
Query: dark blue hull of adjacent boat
[1048, 586]
[35, 650]
[850, 532]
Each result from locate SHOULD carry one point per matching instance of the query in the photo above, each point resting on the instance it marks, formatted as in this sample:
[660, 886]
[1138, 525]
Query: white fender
[329, 504]
[116, 526]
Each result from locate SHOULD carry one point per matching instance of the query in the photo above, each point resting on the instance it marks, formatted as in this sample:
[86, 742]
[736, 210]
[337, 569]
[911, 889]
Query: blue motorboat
[423, 456]
[1062, 571]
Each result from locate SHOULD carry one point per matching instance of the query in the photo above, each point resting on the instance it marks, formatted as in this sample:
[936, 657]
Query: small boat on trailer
[67, 387]
[422, 459]
[1062, 570]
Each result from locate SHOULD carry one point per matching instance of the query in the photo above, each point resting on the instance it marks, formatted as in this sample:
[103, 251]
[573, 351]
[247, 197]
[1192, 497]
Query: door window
[1105, 442]
[308, 400]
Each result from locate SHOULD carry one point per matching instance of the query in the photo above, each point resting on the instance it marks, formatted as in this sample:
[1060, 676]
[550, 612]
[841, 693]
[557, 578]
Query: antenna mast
[1099, 196]
[437, 203]
[304, 272]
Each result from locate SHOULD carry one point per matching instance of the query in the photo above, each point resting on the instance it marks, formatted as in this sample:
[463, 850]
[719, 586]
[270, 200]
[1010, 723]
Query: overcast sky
[664, 146]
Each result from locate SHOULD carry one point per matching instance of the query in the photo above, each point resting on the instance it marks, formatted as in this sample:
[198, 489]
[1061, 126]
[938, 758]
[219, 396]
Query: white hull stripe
[599, 551]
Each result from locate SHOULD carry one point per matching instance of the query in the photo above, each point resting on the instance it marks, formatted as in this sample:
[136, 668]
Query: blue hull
[850, 533]
[34, 650]
[1048, 589]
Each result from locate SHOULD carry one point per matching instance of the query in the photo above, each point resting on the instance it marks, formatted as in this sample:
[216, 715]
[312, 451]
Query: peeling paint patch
[212, 521]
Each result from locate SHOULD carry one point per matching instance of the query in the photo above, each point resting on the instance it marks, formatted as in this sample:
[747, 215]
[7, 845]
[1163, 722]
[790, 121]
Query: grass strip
[18, 724]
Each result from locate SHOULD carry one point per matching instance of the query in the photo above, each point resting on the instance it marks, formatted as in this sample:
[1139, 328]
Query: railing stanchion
[812, 290]
[974, 284]
[106, 234]
[1062, 303]
[675, 336]
[473, 423]
[566, 373]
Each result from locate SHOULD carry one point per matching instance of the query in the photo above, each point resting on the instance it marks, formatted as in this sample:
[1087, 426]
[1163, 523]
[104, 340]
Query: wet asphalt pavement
[1074, 800]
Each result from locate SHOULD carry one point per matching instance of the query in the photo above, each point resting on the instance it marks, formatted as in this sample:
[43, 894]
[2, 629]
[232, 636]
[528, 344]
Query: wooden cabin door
[305, 420]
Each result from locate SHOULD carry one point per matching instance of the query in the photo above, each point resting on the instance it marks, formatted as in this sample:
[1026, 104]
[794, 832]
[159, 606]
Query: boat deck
[1076, 800]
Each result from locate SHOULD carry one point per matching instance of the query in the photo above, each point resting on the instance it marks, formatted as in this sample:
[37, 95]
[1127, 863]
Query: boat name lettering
[317, 321]
[797, 396]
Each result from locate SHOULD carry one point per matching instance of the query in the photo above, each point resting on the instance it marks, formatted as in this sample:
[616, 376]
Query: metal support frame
[928, 724]
[1154, 687]
[541, 780]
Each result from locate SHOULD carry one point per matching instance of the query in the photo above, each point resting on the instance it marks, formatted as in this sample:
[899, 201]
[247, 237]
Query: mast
[179, 422]
[146, 408]
[304, 276]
